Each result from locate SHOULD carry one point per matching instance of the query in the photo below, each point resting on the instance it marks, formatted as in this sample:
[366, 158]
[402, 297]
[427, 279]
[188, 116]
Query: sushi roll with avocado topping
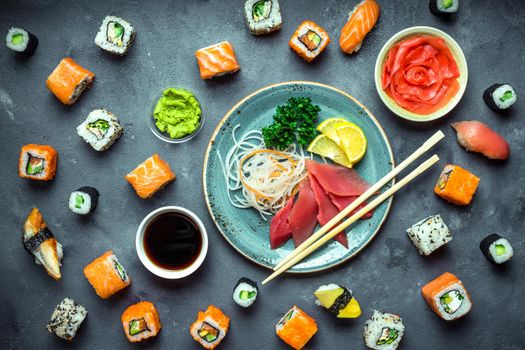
[115, 35]
[496, 249]
[263, 16]
[444, 8]
[338, 300]
[84, 200]
[500, 97]
[245, 292]
[21, 41]
[383, 331]
[100, 129]
[67, 319]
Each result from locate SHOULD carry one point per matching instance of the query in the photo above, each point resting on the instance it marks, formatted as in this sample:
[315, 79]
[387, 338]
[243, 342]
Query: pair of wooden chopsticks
[324, 234]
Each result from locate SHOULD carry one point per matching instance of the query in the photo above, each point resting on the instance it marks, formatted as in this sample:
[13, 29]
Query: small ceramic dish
[458, 55]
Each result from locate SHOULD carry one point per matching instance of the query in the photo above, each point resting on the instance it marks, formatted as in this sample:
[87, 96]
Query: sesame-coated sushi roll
[107, 275]
[210, 327]
[141, 321]
[496, 249]
[83, 200]
[500, 97]
[383, 331]
[67, 319]
[263, 16]
[429, 234]
[21, 41]
[100, 129]
[296, 328]
[37, 162]
[309, 40]
[68, 80]
[115, 35]
[447, 297]
[245, 292]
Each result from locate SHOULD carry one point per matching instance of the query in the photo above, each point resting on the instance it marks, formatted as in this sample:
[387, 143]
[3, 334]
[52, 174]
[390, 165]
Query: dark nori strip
[488, 97]
[341, 301]
[32, 44]
[32, 244]
[93, 194]
[484, 245]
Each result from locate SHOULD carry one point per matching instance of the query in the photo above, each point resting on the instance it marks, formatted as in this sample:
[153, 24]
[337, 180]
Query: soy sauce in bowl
[172, 241]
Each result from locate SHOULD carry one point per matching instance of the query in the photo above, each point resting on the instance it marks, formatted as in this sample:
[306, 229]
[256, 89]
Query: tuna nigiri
[360, 22]
[478, 137]
[303, 217]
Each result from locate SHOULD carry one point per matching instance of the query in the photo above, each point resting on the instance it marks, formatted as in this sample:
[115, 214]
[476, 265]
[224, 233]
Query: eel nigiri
[361, 21]
[478, 137]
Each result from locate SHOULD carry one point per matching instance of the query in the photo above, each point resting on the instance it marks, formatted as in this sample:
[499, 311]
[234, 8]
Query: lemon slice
[353, 142]
[328, 127]
[322, 145]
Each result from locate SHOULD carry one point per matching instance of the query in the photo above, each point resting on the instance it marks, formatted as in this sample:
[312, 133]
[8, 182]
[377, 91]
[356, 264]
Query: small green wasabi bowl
[179, 108]
[456, 52]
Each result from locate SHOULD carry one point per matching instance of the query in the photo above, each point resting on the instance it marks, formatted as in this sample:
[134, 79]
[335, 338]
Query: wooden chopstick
[378, 200]
[434, 139]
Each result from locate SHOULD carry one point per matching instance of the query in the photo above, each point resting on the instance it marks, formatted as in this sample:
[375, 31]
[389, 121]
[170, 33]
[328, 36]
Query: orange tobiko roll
[296, 328]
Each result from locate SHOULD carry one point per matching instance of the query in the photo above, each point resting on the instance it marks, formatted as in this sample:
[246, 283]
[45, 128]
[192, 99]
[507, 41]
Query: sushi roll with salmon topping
[21, 41]
[150, 176]
[69, 80]
[338, 300]
[67, 319]
[383, 331]
[210, 327]
[447, 297]
[296, 328]
[40, 242]
[263, 16]
[309, 40]
[37, 162]
[100, 129]
[361, 21]
[217, 60]
[115, 35]
[496, 249]
[500, 97]
[478, 137]
[107, 275]
[456, 185]
[141, 321]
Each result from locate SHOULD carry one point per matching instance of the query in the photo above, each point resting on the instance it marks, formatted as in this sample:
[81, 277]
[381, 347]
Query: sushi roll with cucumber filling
[447, 297]
[84, 200]
[443, 8]
[383, 331]
[67, 319]
[496, 249]
[245, 292]
[21, 41]
[263, 16]
[500, 97]
[100, 129]
[338, 300]
[429, 234]
[115, 35]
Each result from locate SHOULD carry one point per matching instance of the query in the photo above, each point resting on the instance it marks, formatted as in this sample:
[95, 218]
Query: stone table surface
[386, 276]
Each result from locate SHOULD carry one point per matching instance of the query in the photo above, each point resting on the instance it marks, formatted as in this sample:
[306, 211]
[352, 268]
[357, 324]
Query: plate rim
[227, 116]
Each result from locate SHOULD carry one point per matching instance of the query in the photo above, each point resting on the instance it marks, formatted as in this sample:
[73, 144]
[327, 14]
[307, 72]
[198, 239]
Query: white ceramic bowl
[157, 270]
[456, 51]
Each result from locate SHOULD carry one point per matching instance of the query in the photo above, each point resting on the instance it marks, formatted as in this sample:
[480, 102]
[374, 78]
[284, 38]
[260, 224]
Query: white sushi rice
[429, 234]
[374, 328]
[110, 136]
[303, 31]
[85, 207]
[244, 287]
[509, 252]
[498, 94]
[464, 307]
[66, 319]
[17, 47]
[272, 23]
[101, 40]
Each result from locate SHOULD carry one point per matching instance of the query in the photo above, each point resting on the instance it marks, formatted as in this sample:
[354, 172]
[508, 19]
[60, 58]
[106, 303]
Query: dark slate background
[386, 276]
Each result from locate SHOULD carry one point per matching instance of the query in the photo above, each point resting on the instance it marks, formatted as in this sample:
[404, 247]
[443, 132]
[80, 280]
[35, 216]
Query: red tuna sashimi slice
[341, 202]
[303, 217]
[337, 179]
[280, 231]
[327, 209]
[478, 137]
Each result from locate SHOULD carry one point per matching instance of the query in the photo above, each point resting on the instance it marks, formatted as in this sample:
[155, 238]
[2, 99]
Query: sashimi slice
[341, 202]
[337, 179]
[303, 216]
[280, 231]
[327, 209]
[478, 137]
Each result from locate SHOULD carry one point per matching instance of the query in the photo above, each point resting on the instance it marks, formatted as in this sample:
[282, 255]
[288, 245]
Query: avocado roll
[383, 331]
[21, 41]
[100, 129]
[443, 8]
[84, 200]
[115, 35]
[263, 16]
[245, 292]
[496, 249]
[500, 97]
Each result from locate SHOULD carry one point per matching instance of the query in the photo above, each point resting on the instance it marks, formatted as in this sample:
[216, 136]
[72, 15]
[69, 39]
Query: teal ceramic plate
[243, 228]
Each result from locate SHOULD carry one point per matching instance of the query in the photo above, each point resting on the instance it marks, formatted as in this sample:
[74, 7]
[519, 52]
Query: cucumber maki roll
[443, 8]
[496, 249]
[245, 292]
[21, 41]
[84, 200]
[500, 97]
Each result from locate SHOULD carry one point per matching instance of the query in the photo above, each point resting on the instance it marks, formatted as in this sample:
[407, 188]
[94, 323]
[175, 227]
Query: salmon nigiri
[478, 137]
[360, 22]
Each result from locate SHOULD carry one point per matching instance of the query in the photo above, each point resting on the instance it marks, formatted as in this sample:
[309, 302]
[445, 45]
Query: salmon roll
[107, 275]
[296, 328]
[217, 60]
[447, 297]
[361, 21]
[456, 185]
[141, 321]
[69, 80]
[37, 162]
[210, 327]
[150, 176]
[309, 40]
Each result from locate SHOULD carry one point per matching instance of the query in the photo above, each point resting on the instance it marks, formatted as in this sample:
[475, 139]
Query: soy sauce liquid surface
[172, 241]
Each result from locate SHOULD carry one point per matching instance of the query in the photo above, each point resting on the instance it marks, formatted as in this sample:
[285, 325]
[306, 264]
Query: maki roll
[84, 200]
[217, 60]
[245, 292]
[115, 35]
[21, 41]
[496, 249]
[296, 328]
[37, 162]
[383, 331]
[429, 234]
[68, 80]
[500, 97]
[100, 129]
[456, 185]
[107, 275]
[309, 40]
[338, 300]
[150, 176]
[67, 319]
[141, 321]
[263, 16]
[443, 8]
[447, 297]
[210, 327]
